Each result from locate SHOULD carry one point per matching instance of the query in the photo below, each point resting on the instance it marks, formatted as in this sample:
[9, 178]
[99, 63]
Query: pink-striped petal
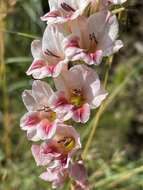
[81, 114]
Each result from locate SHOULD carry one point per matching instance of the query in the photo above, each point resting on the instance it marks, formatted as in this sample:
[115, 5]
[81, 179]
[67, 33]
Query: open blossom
[56, 154]
[64, 10]
[67, 10]
[48, 54]
[93, 38]
[79, 89]
[40, 121]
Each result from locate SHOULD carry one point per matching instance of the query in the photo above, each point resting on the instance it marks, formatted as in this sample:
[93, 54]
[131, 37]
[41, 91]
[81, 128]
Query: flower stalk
[79, 34]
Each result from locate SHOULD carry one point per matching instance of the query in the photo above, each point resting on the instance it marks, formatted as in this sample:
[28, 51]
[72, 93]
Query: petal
[41, 92]
[64, 10]
[29, 121]
[58, 68]
[102, 94]
[90, 81]
[59, 103]
[41, 158]
[53, 4]
[117, 45]
[46, 130]
[87, 78]
[78, 172]
[71, 79]
[81, 114]
[52, 41]
[48, 176]
[36, 152]
[35, 66]
[108, 37]
[36, 49]
[32, 135]
[41, 73]
[96, 23]
[29, 101]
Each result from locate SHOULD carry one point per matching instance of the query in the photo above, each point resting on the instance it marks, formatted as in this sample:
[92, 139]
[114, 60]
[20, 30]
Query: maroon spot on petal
[67, 8]
[49, 53]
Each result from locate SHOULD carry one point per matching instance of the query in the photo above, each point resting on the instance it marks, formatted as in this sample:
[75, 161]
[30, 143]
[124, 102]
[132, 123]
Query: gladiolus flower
[79, 89]
[49, 58]
[93, 38]
[62, 10]
[56, 154]
[41, 120]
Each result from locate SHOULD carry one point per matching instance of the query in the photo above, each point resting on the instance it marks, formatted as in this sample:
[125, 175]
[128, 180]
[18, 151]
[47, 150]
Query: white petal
[53, 4]
[36, 49]
[48, 176]
[41, 92]
[52, 41]
[96, 23]
[32, 135]
[29, 100]
[99, 98]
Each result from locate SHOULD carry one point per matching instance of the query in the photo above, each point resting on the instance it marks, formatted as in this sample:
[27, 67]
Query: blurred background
[115, 158]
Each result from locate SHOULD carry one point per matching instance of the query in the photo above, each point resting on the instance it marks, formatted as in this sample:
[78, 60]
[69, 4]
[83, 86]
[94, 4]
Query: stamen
[49, 53]
[93, 43]
[45, 109]
[67, 143]
[67, 8]
[77, 92]
[76, 97]
[93, 37]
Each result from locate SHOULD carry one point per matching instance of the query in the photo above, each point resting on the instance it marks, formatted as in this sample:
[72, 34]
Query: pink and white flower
[48, 54]
[93, 38]
[41, 120]
[56, 154]
[64, 10]
[79, 90]
[58, 150]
